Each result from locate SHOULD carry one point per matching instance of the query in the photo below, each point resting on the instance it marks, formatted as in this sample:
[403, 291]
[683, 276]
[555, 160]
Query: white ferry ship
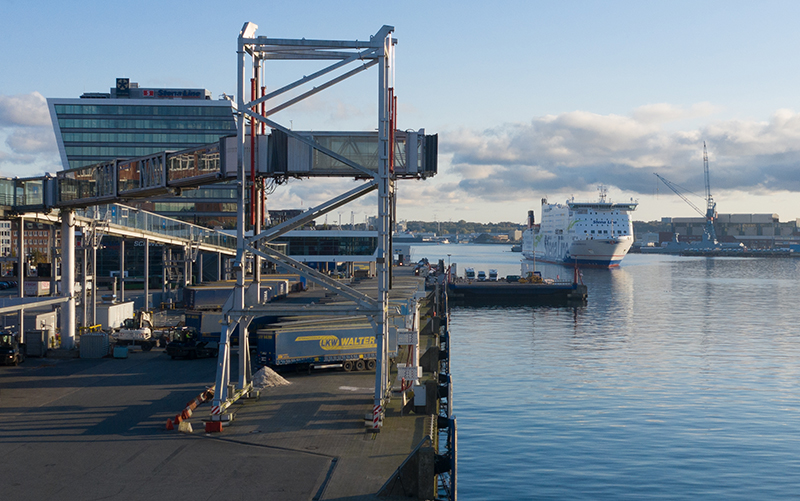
[589, 233]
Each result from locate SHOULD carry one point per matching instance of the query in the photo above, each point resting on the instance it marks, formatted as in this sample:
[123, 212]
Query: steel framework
[253, 115]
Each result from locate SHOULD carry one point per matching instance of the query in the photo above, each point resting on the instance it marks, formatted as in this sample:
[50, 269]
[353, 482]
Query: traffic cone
[170, 426]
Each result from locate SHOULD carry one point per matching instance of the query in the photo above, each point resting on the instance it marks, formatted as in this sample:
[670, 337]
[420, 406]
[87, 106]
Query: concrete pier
[90, 429]
[96, 428]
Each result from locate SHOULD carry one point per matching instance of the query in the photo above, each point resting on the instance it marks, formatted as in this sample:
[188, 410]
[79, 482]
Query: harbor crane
[709, 234]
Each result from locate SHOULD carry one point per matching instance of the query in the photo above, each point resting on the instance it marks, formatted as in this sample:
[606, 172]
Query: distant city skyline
[531, 100]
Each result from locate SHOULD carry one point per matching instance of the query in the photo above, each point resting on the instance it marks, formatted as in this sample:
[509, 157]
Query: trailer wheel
[360, 365]
[370, 365]
[347, 366]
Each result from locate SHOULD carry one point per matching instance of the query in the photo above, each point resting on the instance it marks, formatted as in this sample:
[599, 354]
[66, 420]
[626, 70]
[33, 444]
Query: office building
[131, 121]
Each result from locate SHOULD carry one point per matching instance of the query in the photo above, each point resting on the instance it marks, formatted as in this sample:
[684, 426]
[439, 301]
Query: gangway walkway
[129, 222]
[123, 222]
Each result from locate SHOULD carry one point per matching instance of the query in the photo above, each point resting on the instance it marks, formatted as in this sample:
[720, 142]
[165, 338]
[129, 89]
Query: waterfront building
[131, 121]
[39, 239]
[5, 238]
[754, 230]
[330, 245]
[5, 246]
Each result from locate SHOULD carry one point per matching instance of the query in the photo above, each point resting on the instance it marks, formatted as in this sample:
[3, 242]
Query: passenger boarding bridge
[277, 155]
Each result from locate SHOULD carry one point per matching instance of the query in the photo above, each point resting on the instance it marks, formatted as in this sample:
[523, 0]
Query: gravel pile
[267, 378]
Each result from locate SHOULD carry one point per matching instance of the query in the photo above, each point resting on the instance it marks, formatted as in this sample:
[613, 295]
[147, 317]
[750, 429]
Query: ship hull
[595, 234]
[605, 253]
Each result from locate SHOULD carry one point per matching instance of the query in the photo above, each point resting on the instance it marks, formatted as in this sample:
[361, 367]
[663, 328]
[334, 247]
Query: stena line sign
[174, 93]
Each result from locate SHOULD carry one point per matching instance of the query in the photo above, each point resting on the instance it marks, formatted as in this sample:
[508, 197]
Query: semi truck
[349, 344]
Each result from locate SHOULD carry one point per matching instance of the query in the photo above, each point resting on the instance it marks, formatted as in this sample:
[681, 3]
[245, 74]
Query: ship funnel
[531, 219]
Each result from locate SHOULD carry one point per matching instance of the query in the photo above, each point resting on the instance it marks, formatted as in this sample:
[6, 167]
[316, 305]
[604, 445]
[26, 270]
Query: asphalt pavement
[96, 429]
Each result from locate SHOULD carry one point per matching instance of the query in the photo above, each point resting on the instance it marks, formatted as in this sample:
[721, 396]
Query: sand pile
[267, 378]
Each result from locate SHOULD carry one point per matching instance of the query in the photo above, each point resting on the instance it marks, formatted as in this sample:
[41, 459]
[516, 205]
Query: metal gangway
[124, 222]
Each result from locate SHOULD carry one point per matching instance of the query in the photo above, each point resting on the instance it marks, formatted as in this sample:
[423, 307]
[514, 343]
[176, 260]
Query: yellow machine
[532, 277]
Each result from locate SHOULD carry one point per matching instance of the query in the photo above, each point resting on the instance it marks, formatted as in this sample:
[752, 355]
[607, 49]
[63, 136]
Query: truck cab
[185, 344]
[493, 275]
[469, 273]
[12, 352]
[481, 276]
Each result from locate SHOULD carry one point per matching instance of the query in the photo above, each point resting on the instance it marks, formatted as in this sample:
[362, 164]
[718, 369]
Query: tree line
[461, 227]
[465, 227]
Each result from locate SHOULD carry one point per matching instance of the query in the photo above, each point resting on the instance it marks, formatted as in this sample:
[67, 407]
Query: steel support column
[84, 282]
[240, 265]
[21, 261]
[68, 278]
[221, 396]
[122, 270]
[95, 243]
[146, 274]
[21, 274]
[384, 256]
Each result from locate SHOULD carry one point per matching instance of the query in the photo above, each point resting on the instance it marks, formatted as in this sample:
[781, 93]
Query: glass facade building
[130, 121]
[331, 245]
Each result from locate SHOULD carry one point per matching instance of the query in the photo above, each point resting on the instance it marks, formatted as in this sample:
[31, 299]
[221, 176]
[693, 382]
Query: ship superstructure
[587, 233]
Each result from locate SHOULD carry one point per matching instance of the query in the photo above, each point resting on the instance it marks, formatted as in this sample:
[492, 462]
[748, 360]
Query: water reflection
[678, 379]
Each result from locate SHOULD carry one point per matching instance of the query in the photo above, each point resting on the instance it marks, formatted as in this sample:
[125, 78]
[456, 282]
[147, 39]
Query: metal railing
[137, 219]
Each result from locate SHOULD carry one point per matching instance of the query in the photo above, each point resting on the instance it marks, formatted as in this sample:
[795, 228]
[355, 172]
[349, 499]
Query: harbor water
[678, 379]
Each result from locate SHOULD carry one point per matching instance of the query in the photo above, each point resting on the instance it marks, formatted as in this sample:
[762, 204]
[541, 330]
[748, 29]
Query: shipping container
[207, 326]
[37, 287]
[111, 315]
[206, 298]
[214, 296]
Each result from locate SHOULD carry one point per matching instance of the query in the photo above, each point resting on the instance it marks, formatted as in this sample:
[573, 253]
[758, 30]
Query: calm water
[679, 379]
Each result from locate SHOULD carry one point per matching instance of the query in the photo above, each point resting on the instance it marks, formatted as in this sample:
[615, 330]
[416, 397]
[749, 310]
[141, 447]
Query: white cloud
[27, 143]
[661, 113]
[32, 140]
[24, 110]
[575, 151]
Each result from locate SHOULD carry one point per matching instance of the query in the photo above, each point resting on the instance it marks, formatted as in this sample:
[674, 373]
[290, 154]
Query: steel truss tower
[254, 113]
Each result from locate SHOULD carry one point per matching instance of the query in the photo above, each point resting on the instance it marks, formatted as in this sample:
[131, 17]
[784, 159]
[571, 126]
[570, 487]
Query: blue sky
[530, 99]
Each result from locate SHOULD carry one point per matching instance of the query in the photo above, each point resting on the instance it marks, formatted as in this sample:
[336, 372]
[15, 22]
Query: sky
[530, 99]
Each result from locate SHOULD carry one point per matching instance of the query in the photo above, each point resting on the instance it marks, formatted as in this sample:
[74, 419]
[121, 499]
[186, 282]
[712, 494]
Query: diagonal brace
[281, 259]
[313, 213]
